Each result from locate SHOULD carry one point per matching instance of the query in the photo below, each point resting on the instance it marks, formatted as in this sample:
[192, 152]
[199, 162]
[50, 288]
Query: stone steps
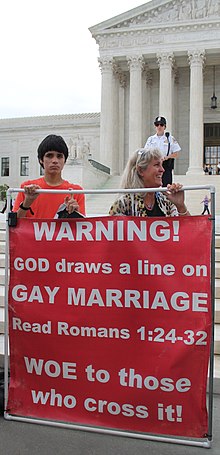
[2, 294]
[217, 374]
[2, 233]
[2, 276]
[217, 311]
[217, 339]
[194, 197]
[99, 204]
[2, 320]
[2, 260]
[217, 289]
[217, 269]
[2, 248]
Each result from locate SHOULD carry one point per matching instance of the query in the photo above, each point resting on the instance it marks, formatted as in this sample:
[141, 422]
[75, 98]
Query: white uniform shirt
[161, 142]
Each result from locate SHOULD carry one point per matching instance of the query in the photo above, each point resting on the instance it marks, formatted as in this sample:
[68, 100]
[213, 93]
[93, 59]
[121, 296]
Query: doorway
[211, 157]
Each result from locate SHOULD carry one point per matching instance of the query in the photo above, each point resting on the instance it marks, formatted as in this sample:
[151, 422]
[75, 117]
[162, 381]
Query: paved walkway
[17, 438]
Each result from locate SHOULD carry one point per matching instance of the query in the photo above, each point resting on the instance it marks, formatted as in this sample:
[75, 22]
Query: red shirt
[46, 205]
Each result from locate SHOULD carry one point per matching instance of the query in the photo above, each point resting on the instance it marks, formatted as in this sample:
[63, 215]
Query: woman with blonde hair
[145, 170]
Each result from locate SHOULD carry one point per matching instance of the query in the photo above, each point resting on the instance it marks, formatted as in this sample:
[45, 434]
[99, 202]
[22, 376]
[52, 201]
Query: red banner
[110, 322]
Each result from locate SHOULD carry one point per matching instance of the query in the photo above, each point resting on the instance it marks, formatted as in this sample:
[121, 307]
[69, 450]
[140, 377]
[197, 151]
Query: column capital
[105, 64]
[135, 62]
[196, 57]
[165, 59]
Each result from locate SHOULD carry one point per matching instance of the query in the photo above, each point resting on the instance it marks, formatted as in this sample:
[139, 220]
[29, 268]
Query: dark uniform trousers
[168, 166]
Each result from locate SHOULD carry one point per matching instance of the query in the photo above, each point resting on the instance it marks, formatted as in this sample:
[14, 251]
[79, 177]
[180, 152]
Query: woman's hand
[175, 195]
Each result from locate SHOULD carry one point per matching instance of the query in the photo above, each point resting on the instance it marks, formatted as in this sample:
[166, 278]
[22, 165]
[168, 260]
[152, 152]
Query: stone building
[161, 58]
[19, 139]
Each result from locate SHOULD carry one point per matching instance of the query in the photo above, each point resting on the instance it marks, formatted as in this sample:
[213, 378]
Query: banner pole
[211, 362]
[145, 436]
[6, 338]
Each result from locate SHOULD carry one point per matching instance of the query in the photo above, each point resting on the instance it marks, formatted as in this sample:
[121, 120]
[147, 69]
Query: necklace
[149, 206]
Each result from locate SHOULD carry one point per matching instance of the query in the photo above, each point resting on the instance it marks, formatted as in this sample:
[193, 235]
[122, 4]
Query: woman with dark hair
[145, 170]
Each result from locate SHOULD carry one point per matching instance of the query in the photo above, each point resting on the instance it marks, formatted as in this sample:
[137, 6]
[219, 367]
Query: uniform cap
[160, 120]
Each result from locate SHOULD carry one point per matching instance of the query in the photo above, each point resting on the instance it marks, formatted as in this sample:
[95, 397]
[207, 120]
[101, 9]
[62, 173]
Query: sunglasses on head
[159, 124]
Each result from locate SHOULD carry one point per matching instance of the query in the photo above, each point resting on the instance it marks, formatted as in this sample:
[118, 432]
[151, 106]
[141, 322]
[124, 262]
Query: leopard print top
[133, 205]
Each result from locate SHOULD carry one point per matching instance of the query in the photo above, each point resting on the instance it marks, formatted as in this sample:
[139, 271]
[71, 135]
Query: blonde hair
[139, 160]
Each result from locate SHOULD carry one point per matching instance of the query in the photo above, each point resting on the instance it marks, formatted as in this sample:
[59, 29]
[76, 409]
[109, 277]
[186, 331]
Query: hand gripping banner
[110, 321]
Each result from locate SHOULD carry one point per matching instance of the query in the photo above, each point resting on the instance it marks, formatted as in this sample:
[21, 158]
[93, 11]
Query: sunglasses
[159, 124]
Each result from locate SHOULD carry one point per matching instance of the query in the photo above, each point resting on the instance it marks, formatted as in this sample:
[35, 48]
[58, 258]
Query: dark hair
[52, 143]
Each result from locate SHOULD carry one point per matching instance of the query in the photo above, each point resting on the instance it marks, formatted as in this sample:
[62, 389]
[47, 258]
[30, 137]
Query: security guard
[167, 145]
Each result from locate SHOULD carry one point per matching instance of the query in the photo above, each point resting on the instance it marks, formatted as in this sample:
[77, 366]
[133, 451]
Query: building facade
[162, 58]
[20, 137]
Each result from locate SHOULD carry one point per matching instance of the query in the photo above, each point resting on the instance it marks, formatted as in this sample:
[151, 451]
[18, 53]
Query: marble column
[106, 121]
[116, 125]
[175, 85]
[147, 102]
[121, 156]
[135, 64]
[165, 61]
[196, 61]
